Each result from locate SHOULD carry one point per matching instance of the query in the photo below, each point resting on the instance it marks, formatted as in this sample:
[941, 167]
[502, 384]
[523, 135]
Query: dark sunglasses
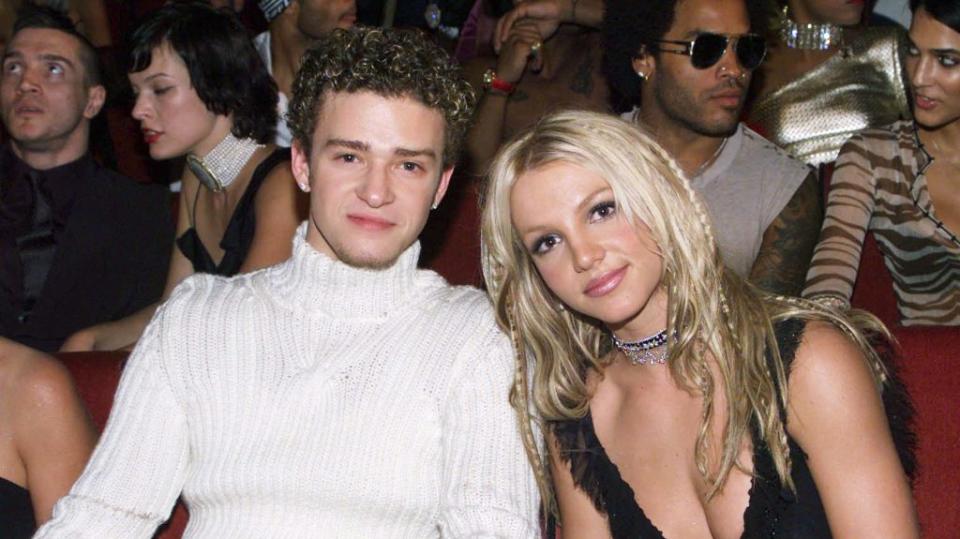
[707, 49]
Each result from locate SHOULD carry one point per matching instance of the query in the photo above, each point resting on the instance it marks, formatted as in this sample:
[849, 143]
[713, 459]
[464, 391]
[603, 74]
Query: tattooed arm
[781, 264]
[487, 133]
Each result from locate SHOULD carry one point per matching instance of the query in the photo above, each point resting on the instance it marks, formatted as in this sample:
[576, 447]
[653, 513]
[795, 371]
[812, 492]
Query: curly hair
[225, 69]
[390, 63]
[628, 25]
[711, 311]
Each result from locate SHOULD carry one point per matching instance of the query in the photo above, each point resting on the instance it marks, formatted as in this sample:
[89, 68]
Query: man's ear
[442, 186]
[300, 165]
[96, 96]
[644, 64]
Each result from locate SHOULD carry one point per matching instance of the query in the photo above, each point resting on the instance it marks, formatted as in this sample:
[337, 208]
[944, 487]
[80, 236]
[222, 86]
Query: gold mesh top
[860, 86]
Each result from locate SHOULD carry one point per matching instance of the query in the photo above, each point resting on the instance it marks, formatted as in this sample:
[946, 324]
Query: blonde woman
[677, 400]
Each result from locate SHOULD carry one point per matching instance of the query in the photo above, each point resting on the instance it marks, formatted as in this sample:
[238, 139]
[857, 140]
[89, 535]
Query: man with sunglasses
[689, 63]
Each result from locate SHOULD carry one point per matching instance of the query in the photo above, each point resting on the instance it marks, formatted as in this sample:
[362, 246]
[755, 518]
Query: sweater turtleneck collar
[312, 282]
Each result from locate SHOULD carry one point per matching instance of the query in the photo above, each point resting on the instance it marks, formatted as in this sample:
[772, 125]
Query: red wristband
[492, 82]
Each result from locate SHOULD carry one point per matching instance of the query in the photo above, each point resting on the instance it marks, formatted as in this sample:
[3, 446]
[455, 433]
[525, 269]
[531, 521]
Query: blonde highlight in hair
[711, 312]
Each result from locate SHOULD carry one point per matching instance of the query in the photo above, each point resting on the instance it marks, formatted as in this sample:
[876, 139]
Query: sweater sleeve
[488, 486]
[138, 468]
[850, 205]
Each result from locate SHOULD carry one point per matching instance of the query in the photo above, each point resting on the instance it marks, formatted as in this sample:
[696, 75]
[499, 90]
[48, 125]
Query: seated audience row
[373, 150]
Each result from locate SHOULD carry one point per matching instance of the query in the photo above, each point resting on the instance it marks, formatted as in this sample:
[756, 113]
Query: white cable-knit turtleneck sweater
[312, 399]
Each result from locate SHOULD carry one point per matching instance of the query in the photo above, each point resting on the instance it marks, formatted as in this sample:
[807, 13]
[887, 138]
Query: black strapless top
[773, 511]
[16, 511]
[240, 230]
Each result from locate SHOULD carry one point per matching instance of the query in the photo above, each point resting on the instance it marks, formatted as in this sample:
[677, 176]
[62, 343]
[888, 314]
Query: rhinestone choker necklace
[650, 349]
[809, 36]
[219, 168]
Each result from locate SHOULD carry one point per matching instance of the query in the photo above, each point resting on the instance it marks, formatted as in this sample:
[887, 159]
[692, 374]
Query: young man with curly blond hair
[344, 393]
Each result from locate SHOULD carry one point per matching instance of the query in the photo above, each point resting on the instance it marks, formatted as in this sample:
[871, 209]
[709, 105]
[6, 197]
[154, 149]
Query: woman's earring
[642, 75]
[303, 187]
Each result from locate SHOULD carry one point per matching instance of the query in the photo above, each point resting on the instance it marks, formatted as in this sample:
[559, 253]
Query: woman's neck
[649, 321]
[942, 142]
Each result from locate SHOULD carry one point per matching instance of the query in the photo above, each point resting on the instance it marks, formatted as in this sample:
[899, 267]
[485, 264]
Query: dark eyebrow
[944, 51]
[405, 152]
[352, 144]
[57, 58]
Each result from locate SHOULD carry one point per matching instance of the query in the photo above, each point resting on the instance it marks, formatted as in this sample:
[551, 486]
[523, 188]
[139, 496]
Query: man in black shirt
[79, 244]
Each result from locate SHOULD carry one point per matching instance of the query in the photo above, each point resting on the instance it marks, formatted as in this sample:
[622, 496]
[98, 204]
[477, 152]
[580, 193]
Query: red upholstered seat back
[96, 375]
[931, 369]
[451, 239]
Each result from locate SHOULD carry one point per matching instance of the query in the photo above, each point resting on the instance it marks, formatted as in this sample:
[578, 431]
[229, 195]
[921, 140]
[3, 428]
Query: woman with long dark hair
[900, 182]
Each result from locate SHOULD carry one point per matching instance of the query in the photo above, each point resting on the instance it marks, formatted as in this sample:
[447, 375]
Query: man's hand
[547, 15]
[520, 47]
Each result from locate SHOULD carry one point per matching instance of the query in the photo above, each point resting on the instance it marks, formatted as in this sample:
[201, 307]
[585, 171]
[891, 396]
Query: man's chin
[369, 260]
[719, 128]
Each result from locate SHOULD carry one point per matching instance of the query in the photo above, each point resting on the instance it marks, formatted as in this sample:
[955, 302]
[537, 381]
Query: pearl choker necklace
[809, 36]
[219, 168]
[650, 349]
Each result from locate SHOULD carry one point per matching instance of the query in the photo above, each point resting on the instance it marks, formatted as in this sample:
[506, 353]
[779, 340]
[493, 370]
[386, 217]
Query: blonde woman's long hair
[711, 311]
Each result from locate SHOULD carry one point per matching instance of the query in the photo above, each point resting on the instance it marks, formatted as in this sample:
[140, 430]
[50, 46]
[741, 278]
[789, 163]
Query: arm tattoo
[582, 82]
[519, 95]
[781, 265]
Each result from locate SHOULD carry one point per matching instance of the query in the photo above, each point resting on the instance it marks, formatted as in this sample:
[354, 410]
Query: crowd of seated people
[762, 109]
[202, 91]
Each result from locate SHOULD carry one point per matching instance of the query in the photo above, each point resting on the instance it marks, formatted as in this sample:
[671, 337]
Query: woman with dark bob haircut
[202, 91]
[900, 182]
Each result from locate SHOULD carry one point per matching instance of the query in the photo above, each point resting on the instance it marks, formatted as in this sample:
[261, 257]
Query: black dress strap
[16, 511]
[240, 230]
[773, 510]
[595, 474]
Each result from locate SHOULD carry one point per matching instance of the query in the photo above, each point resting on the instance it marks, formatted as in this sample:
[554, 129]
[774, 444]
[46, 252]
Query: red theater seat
[96, 375]
[931, 369]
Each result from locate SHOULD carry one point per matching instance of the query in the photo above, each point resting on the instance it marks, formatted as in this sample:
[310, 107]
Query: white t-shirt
[283, 138]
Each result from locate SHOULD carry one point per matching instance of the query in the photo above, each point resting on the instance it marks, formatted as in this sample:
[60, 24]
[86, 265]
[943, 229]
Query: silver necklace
[219, 168]
[713, 159]
[808, 36]
[648, 350]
